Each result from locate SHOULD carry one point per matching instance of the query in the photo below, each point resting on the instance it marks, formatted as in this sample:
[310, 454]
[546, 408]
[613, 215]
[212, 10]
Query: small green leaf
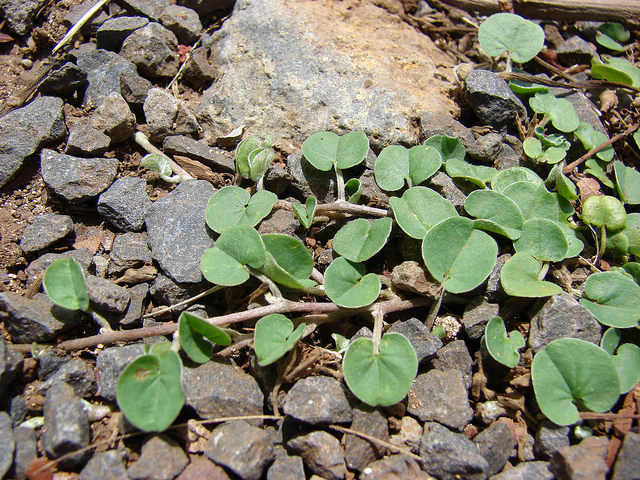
[447, 147]
[424, 161]
[627, 362]
[559, 110]
[532, 147]
[383, 379]
[610, 340]
[353, 190]
[633, 269]
[392, 168]
[149, 391]
[326, 149]
[607, 42]
[502, 347]
[616, 31]
[159, 164]
[566, 188]
[233, 205]
[348, 285]
[259, 161]
[506, 32]
[504, 178]
[595, 169]
[569, 370]
[458, 255]
[63, 282]
[591, 138]
[535, 201]
[519, 278]
[305, 214]
[236, 248]
[342, 342]
[613, 299]
[419, 209]
[495, 213]
[360, 240]
[627, 183]
[195, 336]
[604, 210]
[287, 261]
[616, 69]
[477, 174]
[243, 150]
[543, 239]
[275, 336]
[521, 87]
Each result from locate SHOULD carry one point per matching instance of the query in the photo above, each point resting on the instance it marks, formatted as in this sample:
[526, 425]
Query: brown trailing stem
[569, 168]
[281, 306]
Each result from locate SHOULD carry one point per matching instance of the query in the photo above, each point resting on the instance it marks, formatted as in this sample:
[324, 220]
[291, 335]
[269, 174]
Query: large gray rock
[106, 296]
[495, 444]
[562, 316]
[358, 453]
[112, 33]
[44, 231]
[395, 467]
[549, 439]
[318, 400]
[153, 49]
[109, 465]
[217, 389]
[423, 342]
[63, 81]
[125, 203]
[627, 464]
[34, 319]
[26, 129]
[129, 250]
[319, 66]
[219, 160]
[177, 231]
[74, 178]
[114, 118]
[161, 458]
[492, 100]
[242, 448]
[85, 140]
[19, 14]
[321, 453]
[66, 425]
[183, 22]
[75, 373]
[103, 69]
[286, 468]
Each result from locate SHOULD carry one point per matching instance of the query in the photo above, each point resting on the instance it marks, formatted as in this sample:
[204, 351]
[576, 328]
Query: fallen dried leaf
[588, 187]
[4, 38]
[38, 471]
[133, 276]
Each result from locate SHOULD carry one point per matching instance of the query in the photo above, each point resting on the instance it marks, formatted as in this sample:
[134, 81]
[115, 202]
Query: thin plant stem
[142, 140]
[543, 271]
[433, 311]
[340, 183]
[377, 330]
[84, 19]
[184, 302]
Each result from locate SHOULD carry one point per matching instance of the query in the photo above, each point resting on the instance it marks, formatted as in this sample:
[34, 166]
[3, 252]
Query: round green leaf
[457, 255]
[476, 174]
[149, 391]
[532, 147]
[607, 42]
[561, 112]
[613, 299]
[553, 155]
[569, 370]
[502, 347]
[288, 262]
[320, 150]
[448, 147]
[63, 282]
[519, 278]
[360, 240]
[610, 340]
[543, 239]
[627, 362]
[627, 183]
[503, 178]
[419, 209]
[196, 336]
[496, 213]
[274, 336]
[352, 149]
[348, 285]
[535, 201]
[236, 248]
[424, 161]
[604, 210]
[392, 168]
[233, 205]
[383, 379]
[506, 32]
[595, 168]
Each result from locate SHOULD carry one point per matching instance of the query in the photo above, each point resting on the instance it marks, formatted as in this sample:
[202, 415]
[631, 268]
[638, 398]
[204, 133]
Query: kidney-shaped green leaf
[233, 205]
[458, 255]
[569, 370]
[196, 336]
[559, 110]
[627, 362]
[495, 213]
[149, 390]
[63, 282]
[604, 210]
[326, 149]
[236, 248]
[348, 285]
[419, 209]
[287, 261]
[424, 161]
[613, 299]
[502, 347]
[590, 138]
[392, 168]
[360, 240]
[519, 278]
[507, 32]
[275, 336]
[476, 174]
[383, 379]
[543, 239]
[448, 147]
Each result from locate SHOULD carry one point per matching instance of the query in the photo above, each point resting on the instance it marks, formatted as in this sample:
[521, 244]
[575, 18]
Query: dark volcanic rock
[454, 355]
[109, 465]
[358, 453]
[161, 458]
[395, 467]
[26, 129]
[112, 33]
[86, 141]
[154, 50]
[286, 468]
[177, 231]
[422, 341]
[492, 100]
[526, 471]
[75, 373]
[182, 21]
[110, 363]
[7, 444]
[585, 461]
[200, 468]
[106, 296]
[318, 400]
[217, 389]
[114, 118]
[627, 464]
[25, 450]
[75, 178]
[125, 203]
[148, 8]
[45, 230]
[40, 264]
[129, 250]
[549, 439]
[495, 444]
[217, 159]
[321, 453]
[10, 362]
[19, 15]
[62, 82]
[242, 448]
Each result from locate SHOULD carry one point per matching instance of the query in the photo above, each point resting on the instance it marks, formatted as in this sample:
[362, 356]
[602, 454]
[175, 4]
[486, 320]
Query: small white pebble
[26, 63]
